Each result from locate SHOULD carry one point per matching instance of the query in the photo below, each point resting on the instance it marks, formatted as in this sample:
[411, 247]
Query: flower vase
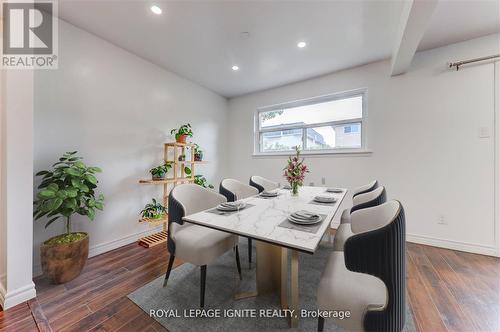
[295, 189]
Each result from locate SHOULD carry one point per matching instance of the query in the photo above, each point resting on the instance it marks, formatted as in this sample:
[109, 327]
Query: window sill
[356, 152]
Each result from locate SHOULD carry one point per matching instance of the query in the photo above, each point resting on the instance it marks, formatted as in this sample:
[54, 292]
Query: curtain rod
[457, 64]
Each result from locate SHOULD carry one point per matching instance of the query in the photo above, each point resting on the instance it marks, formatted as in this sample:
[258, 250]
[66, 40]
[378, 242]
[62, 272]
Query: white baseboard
[448, 244]
[108, 246]
[16, 296]
[454, 245]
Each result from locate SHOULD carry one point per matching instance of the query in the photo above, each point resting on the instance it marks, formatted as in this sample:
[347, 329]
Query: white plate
[268, 194]
[334, 190]
[304, 222]
[322, 199]
[231, 207]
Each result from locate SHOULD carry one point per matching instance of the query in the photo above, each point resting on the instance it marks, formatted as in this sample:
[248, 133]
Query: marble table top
[261, 220]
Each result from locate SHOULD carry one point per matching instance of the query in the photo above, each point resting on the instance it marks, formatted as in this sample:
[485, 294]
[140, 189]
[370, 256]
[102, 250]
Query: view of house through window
[318, 124]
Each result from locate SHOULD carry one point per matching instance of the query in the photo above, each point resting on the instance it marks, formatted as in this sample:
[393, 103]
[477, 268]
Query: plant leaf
[73, 172]
[90, 178]
[79, 164]
[46, 194]
[91, 214]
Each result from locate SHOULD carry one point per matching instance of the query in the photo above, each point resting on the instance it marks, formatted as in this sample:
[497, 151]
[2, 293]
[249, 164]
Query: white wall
[423, 131]
[116, 110]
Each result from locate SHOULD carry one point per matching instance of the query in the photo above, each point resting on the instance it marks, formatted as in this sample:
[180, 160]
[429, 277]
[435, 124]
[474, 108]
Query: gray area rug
[183, 293]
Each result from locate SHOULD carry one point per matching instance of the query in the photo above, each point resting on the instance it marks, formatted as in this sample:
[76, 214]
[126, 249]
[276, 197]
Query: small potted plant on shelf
[182, 157]
[68, 188]
[198, 153]
[182, 133]
[153, 210]
[158, 172]
[202, 181]
[187, 170]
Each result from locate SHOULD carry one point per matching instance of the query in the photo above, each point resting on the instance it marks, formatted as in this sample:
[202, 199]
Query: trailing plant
[295, 171]
[202, 181]
[198, 153]
[161, 170]
[68, 188]
[153, 210]
[182, 130]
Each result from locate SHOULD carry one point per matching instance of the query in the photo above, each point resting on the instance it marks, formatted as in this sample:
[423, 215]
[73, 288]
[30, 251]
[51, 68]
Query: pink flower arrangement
[295, 171]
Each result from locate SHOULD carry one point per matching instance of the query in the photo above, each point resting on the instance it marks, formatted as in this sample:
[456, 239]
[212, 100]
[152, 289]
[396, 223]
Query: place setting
[323, 200]
[334, 190]
[228, 208]
[303, 220]
[267, 194]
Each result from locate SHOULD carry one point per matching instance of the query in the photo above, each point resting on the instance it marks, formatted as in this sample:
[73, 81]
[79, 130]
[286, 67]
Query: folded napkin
[305, 215]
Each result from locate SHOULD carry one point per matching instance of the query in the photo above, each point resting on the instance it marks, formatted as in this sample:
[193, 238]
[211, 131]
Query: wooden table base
[272, 276]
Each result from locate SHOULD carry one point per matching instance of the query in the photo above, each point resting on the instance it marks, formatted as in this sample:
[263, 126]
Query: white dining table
[264, 221]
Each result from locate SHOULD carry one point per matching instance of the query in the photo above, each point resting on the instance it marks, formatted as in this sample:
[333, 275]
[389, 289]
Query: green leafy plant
[153, 210]
[187, 170]
[68, 188]
[159, 172]
[182, 130]
[182, 157]
[202, 181]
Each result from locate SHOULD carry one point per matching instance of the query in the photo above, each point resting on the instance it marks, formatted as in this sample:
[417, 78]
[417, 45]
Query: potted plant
[182, 133]
[295, 171]
[182, 157]
[68, 188]
[187, 170]
[158, 172]
[198, 153]
[153, 210]
[202, 181]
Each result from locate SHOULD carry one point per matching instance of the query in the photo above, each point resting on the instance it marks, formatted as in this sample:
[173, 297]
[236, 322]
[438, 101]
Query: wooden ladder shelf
[171, 153]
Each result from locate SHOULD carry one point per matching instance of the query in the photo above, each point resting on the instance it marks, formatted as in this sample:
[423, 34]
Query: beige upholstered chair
[262, 183]
[368, 277]
[196, 244]
[361, 201]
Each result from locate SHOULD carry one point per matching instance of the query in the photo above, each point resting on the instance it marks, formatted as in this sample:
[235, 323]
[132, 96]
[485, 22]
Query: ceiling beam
[415, 16]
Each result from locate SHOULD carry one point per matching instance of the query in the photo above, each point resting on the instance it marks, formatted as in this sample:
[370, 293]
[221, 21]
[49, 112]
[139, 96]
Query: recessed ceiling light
[235, 68]
[155, 9]
[301, 44]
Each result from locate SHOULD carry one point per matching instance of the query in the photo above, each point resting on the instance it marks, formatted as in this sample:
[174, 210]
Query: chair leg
[203, 280]
[238, 261]
[249, 253]
[169, 268]
[321, 324]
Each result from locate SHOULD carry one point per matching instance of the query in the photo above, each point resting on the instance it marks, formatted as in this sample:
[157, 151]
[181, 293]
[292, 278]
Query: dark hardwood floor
[448, 291]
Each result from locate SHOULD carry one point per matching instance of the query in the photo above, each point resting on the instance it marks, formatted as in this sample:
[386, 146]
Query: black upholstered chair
[368, 277]
[234, 190]
[195, 244]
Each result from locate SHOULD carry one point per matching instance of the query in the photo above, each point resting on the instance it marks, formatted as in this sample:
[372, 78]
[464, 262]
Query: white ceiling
[455, 21]
[200, 40]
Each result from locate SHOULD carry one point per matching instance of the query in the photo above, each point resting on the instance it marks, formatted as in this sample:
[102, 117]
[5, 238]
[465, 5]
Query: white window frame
[303, 102]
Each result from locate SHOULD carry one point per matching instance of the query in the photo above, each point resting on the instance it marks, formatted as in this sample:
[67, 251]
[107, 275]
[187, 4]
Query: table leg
[294, 289]
[268, 268]
[284, 278]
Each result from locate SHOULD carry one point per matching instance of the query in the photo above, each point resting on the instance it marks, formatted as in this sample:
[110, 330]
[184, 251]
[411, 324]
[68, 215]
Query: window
[325, 124]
